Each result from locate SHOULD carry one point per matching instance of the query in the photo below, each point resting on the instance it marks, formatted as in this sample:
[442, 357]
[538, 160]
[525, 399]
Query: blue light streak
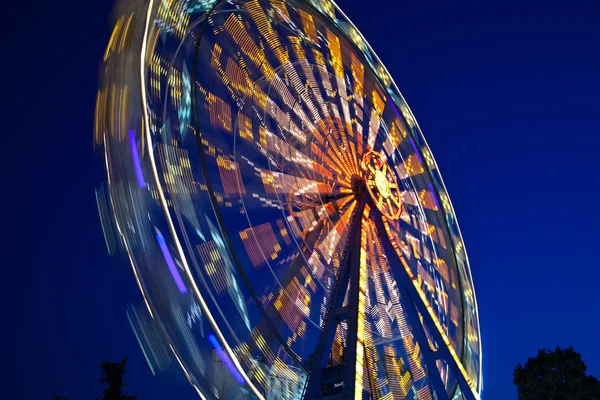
[415, 149]
[136, 160]
[435, 200]
[215, 344]
[170, 263]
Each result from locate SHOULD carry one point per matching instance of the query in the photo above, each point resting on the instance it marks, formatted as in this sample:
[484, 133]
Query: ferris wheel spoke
[396, 201]
[384, 169]
[389, 204]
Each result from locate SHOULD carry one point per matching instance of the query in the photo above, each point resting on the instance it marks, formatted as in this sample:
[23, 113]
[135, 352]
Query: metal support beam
[417, 314]
[352, 313]
[435, 379]
[348, 274]
[414, 306]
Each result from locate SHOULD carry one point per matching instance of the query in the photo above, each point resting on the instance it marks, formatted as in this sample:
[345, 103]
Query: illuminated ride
[284, 217]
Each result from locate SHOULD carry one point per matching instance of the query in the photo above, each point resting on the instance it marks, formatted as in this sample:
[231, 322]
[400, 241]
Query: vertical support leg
[428, 355]
[349, 267]
[353, 308]
[416, 303]
[405, 285]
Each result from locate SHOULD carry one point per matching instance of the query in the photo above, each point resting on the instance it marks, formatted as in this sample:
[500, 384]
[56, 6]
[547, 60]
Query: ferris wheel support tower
[340, 382]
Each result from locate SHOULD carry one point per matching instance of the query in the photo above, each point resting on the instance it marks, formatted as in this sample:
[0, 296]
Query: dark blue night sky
[506, 94]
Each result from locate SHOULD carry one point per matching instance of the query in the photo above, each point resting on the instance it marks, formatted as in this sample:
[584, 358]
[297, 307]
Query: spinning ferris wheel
[284, 217]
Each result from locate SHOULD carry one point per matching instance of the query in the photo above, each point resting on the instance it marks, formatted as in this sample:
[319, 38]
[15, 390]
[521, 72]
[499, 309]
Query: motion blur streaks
[232, 133]
[155, 350]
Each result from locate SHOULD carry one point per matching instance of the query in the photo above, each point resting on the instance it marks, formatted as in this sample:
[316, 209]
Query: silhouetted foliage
[556, 375]
[112, 375]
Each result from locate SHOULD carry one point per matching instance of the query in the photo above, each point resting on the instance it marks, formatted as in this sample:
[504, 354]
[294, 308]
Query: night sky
[506, 94]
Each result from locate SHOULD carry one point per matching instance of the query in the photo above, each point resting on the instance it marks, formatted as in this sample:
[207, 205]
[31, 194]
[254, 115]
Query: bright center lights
[382, 185]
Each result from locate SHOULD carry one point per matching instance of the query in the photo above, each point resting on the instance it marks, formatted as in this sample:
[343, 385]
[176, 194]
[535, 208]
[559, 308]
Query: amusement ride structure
[284, 217]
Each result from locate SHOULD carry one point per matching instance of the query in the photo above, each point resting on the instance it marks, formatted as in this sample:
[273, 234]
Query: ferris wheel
[285, 220]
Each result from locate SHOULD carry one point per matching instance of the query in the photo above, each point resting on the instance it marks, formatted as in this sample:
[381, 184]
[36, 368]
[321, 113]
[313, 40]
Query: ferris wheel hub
[382, 184]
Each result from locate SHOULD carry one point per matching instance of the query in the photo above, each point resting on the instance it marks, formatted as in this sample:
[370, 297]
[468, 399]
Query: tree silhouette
[556, 375]
[112, 375]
